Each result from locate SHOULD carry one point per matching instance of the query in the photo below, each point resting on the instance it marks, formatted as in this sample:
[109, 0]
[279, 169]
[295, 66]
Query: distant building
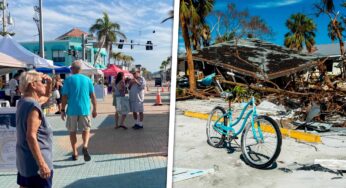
[332, 51]
[67, 48]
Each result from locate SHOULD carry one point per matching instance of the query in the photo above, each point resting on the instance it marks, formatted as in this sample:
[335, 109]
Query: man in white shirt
[13, 86]
[137, 85]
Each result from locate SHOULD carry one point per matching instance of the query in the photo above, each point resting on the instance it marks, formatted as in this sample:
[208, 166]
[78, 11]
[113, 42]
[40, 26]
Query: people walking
[34, 134]
[76, 94]
[122, 101]
[137, 90]
[57, 90]
[13, 86]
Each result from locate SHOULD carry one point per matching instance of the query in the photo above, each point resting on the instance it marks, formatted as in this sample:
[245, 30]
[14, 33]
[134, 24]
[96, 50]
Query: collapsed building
[251, 59]
[269, 69]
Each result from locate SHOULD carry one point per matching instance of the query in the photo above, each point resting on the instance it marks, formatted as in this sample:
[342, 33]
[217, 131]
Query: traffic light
[131, 44]
[149, 45]
[121, 44]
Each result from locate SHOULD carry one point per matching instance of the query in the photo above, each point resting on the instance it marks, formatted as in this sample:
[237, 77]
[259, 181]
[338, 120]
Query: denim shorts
[35, 181]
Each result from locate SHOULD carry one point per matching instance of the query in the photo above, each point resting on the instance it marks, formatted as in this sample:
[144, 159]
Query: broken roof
[328, 50]
[255, 58]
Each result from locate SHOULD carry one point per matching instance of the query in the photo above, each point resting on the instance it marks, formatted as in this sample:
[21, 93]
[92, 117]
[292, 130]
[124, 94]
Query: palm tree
[164, 65]
[192, 14]
[334, 30]
[206, 35]
[117, 56]
[128, 60]
[302, 31]
[107, 33]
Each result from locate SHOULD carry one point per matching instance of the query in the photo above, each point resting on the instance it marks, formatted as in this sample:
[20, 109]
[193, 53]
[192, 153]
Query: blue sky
[137, 18]
[275, 13]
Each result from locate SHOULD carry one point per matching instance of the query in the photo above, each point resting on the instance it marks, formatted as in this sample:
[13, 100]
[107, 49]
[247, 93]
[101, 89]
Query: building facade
[67, 48]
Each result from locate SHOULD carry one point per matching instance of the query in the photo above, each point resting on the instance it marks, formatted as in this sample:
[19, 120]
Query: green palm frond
[301, 32]
[332, 31]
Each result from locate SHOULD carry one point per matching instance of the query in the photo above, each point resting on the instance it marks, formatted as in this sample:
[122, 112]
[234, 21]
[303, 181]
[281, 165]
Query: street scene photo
[260, 94]
[84, 93]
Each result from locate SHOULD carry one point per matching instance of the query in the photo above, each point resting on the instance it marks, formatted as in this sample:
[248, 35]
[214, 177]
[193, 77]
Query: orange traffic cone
[158, 99]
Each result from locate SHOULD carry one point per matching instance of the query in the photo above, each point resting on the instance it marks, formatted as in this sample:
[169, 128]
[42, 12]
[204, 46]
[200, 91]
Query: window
[58, 56]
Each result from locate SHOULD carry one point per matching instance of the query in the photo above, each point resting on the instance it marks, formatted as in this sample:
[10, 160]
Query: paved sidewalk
[120, 158]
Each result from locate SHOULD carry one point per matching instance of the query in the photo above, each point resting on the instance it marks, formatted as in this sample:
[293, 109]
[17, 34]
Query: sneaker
[135, 126]
[86, 154]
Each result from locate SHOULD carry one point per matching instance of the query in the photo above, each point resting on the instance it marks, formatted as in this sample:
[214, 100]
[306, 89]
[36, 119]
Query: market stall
[12, 48]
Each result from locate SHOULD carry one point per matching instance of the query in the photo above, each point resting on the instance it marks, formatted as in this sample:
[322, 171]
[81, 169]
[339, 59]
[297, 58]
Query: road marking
[301, 136]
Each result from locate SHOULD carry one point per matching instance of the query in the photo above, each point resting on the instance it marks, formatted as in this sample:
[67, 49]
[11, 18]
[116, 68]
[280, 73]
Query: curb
[301, 136]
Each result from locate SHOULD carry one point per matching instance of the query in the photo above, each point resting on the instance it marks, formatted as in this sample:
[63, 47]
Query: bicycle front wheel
[261, 143]
[216, 136]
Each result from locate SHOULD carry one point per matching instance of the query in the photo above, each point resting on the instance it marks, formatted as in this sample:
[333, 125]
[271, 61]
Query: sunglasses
[43, 81]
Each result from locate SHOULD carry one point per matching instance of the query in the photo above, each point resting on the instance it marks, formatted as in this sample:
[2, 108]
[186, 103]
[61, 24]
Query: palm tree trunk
[190, 65]
[103, 39]
[342, 49]
[109, 50]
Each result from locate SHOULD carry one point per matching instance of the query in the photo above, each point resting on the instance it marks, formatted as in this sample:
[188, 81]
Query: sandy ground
[192, 151]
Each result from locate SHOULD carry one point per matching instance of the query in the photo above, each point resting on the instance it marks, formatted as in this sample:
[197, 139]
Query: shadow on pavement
[8, 175]
[67, 166]
[271, 167]
[153, 138]
[149, 178]
[67, 159]
[135, 157]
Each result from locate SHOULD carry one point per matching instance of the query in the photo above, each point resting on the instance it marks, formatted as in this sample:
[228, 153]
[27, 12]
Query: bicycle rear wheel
[263, 151]
[216, 136]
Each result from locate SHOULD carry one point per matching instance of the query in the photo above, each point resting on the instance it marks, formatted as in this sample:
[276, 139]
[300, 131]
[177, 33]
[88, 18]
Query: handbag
[56, 94]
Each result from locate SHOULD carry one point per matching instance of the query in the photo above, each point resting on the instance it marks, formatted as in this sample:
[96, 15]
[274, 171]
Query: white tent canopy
[8, 61]
[9, 64]
[88, 69]
[12, 48]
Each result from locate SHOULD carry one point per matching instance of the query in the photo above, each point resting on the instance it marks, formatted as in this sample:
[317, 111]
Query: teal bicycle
[261, 137]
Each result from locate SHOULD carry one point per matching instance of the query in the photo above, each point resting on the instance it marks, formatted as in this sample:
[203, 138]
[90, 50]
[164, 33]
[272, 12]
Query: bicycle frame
[221, 128]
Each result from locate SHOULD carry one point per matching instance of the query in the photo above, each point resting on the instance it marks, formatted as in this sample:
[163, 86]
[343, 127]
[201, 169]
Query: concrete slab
[192, 151]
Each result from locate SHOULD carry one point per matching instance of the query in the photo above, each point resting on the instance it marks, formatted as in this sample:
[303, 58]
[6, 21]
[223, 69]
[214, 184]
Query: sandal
[122, 126]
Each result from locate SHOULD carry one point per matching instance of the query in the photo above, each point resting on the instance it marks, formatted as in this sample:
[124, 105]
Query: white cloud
[269, 4]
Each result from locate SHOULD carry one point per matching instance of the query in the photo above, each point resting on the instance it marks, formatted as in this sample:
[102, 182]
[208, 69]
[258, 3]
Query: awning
[59, 70]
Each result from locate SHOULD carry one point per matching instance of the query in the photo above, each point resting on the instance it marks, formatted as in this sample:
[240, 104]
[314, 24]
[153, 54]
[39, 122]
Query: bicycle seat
[228, 95]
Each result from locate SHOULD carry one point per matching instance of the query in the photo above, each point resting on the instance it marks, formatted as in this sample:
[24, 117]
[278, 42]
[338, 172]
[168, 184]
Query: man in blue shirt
[76, 93]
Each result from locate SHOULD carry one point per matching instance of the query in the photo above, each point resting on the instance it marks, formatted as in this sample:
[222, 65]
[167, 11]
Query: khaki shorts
[82, 122]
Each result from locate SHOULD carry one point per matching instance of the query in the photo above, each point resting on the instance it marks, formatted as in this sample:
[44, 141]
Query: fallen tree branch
[268, 89]
[197, 95]
[184, 98]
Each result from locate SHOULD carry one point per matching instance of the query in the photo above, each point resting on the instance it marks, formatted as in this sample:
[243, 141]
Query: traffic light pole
[4, 17]
[41, 31]
[148, 46]
[83, 47]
